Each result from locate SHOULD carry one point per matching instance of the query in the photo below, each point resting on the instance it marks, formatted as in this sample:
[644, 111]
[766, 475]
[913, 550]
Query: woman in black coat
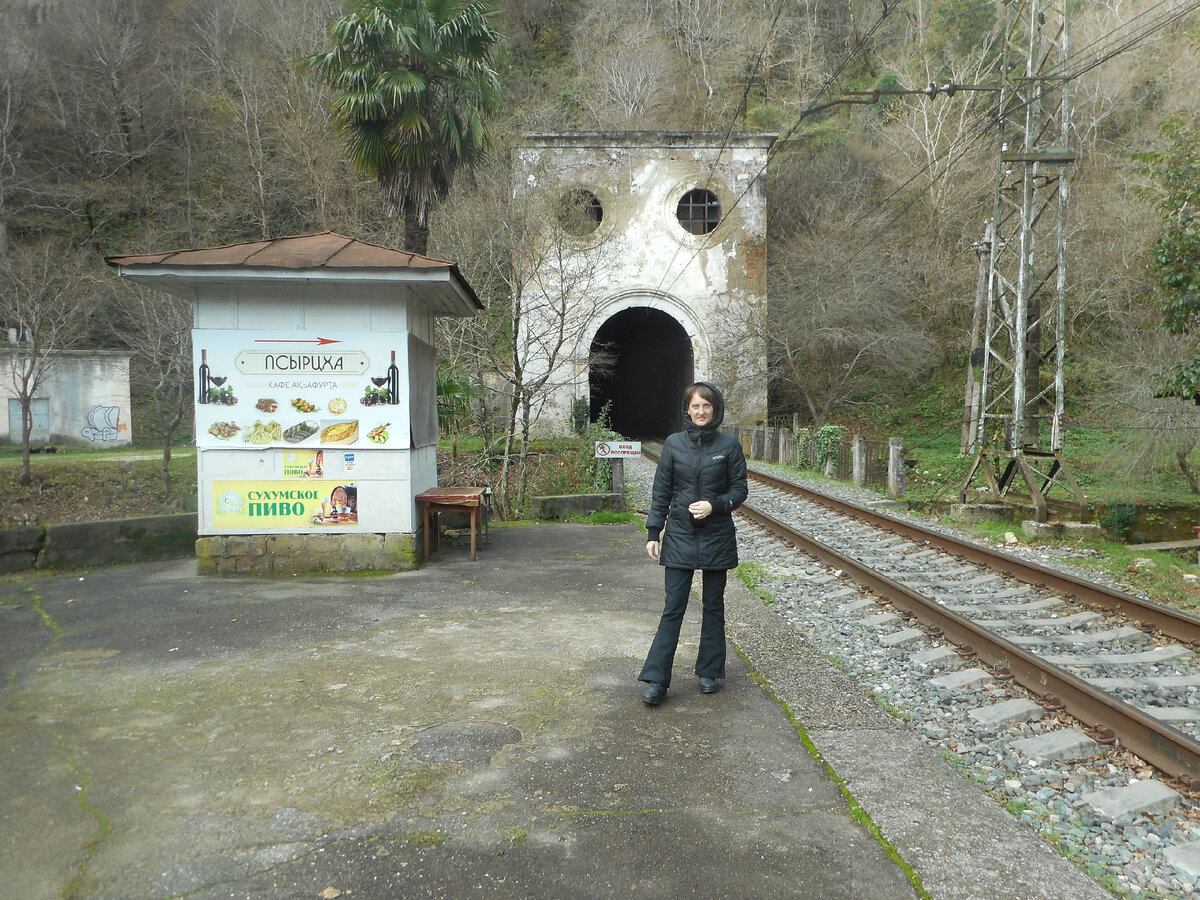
[700, 481]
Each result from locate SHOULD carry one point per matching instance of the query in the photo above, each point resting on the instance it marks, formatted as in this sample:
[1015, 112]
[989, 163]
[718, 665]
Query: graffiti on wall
[102, 423]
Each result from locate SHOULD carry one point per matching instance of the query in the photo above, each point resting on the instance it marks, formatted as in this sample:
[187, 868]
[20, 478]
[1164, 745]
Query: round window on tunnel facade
[580, 212]
[699, 211]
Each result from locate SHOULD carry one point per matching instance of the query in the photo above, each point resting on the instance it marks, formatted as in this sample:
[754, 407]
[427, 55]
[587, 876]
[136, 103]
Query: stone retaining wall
[80, 544]
[563, 506]
[104, 543]
[285, 554]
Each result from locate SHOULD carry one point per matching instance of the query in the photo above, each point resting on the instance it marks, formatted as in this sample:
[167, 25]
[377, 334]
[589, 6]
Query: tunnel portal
[643, 361]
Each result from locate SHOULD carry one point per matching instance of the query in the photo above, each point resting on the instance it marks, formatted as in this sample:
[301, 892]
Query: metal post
[975, 358]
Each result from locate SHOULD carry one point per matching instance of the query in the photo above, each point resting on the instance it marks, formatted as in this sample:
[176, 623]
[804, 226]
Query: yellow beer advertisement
[303, 463]
[311, 504]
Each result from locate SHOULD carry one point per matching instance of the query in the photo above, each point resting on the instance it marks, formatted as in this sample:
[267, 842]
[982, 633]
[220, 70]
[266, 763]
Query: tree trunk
[166, 465]
[169, 429]
[523, 489]
[1181, 456]
[26, 432]
[416, 232]
[503, 493]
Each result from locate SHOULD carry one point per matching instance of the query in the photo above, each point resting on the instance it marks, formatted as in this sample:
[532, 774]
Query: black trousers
[710, 661]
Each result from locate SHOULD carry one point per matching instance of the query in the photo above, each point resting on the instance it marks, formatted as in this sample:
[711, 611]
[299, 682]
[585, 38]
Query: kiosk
[316, 397]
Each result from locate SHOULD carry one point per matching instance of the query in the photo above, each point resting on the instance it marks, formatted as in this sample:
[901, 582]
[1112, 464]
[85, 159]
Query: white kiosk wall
[306, 426]
[316, 399]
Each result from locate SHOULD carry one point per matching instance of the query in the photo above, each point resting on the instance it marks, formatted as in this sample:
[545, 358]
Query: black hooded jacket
[699, 463]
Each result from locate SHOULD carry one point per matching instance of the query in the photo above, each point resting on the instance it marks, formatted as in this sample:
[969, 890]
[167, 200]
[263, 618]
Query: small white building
[665, 274]
[83, 399]
[316, 396]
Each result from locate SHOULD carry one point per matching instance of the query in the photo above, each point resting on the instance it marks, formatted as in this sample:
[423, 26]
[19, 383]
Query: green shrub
[1118, 519]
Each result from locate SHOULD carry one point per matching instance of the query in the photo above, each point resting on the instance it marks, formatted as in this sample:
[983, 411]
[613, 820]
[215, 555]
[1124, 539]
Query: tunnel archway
[643, 362]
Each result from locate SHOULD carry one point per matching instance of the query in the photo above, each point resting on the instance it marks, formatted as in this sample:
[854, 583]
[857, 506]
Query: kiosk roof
[325, 254]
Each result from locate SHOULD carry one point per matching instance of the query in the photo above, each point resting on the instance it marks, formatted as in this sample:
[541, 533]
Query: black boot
[654, 694]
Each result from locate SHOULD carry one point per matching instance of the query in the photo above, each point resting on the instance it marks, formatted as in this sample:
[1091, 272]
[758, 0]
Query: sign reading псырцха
[258, 389]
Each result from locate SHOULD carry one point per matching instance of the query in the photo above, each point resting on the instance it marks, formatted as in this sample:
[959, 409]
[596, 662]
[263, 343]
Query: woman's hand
[653, 547]
[700, 509]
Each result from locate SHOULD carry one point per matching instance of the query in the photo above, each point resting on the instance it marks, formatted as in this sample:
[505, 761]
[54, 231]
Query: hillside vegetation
[135, 125]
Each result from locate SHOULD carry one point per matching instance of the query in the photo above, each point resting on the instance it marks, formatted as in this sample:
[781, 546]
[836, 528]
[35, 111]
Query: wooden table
[452, 499]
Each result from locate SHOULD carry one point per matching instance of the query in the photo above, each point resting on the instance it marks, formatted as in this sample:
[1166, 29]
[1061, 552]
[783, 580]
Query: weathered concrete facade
[83, 399]
[713, 284]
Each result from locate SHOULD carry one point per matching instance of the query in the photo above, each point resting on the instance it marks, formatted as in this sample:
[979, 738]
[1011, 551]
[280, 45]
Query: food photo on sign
[341, 507]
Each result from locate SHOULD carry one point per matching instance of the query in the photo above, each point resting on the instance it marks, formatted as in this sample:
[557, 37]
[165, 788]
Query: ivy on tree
[1175, 263]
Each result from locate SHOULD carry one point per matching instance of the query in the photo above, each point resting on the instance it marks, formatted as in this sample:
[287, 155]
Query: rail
[1160, 745]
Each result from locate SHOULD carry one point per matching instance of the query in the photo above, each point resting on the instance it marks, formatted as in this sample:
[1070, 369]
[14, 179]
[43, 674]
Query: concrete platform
[465, 730]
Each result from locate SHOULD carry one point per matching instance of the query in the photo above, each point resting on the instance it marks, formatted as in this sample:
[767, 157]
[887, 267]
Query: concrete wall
[84, 400]
[714, 285]
[84, 544]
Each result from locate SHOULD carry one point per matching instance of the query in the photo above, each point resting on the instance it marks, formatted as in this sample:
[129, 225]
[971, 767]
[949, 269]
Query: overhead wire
[732, 122]
[809, 110]
[986, 128]
[887, 9]
[1158, 23]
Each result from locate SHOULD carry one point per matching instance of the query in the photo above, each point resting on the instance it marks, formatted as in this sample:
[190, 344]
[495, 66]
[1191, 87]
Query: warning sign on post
[611, 449]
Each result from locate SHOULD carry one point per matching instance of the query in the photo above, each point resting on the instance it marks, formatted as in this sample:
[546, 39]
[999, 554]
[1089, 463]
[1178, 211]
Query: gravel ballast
[937, 697]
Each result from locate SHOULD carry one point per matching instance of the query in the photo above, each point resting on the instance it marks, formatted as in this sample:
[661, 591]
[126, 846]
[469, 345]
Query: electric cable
[992, 124]
[1156, 24]
[1123, 45]
[729, 131]
[770, 153]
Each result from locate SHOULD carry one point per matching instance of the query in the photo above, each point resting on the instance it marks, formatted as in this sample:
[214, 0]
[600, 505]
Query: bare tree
[47, 303]
[15, 75]
[157, 330]
[1154, 433]
[941, 175]
[629, 81]
[625, 64]
[543, 283]
[98, 113]
[840, 329]
[837, 350]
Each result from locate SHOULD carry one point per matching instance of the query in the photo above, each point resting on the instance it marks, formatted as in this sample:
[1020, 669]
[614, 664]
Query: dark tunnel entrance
[649, 357]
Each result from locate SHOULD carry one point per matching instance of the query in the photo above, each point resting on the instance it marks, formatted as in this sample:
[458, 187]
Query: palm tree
[413, 82]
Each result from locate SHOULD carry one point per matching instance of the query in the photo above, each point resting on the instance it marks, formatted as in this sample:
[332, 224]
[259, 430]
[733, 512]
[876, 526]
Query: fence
[868, 463]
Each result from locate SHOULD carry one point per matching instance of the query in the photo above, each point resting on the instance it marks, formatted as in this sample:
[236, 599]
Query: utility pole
[1019, 435]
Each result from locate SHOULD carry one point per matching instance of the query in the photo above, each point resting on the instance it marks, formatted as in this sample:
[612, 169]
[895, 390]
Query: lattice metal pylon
[1019, 435]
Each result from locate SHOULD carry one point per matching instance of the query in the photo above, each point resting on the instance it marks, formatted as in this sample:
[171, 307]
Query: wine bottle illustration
[393, 382]
[202, 377]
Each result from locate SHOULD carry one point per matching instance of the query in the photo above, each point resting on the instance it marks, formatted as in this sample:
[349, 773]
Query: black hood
[718, 415]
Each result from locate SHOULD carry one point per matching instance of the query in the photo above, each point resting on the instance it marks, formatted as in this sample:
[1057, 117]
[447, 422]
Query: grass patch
[1163, 576]
[428, 837]
[516, 835]
[89, 486]
[750, 574]
[611, 517]
[891, 709]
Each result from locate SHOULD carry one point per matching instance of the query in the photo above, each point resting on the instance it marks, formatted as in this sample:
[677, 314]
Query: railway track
[1123, 666]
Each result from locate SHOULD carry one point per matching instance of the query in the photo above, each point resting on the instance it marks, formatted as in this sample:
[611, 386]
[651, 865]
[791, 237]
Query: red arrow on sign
[320, 341]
